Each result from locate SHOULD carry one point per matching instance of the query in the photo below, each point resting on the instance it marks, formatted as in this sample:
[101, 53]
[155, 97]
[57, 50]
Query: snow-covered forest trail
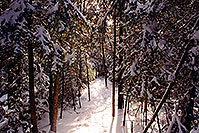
[95, 116]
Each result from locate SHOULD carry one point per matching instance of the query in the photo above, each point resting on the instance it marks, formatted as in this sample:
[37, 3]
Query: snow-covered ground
[94, 116]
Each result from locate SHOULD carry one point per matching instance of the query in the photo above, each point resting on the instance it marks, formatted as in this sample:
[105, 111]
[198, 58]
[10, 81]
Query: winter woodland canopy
[52, 50]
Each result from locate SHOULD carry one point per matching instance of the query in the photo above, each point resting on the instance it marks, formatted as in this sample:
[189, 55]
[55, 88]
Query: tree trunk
[96, 71]
[128, 107]
[89, 97]
[73, 94]
[34, 129]
[146, 100]
[62, 98]
[80, 78]
[114, 66]
[103, 54]
[189, 109]
[158, 121]
[50, 98]
[120, 96]
[55, 104]
[79, 98]
[31, 89]
[126, 102]
[145, 110]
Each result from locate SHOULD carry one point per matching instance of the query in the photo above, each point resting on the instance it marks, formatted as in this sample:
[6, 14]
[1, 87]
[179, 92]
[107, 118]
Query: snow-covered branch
[75, 8]
[108, 12]
[169, 86]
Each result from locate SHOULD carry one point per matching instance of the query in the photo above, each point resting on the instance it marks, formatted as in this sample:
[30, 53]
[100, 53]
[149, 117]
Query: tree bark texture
[55, 104]
[31, 89]
[62, 96]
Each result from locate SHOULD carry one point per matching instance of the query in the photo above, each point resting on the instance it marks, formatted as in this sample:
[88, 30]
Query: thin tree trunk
[73, 99]
[142, 114]
[128, 107]
[114, 65]
[55, 104]
[103, 54]
[145, 110]
[120, 84]
[31, 89]
[50, 98]
[120, 96]
[132, 127]
[124, 119]
[80, 79]
[89, 97]
[63, 87]
[79, 98]
[62, 98]
[79, 94]
[34, 129]
[158, 121]
[146, 100]
[126, 102]
[96, 71]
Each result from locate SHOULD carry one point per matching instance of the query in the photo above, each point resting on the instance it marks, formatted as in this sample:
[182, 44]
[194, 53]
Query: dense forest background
[50, 50]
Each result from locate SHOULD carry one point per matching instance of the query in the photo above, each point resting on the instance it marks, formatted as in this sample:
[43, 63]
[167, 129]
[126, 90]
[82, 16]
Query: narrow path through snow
[94, 116]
